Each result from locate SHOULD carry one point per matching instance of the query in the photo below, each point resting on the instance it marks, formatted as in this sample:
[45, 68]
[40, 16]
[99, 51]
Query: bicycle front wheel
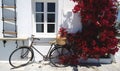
[58, 55]
[21, 56]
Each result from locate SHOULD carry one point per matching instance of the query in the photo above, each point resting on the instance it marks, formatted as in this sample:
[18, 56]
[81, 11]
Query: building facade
[41, 18]
[19, 19]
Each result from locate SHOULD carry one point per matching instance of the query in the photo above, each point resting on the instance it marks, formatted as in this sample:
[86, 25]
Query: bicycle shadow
[22, 66]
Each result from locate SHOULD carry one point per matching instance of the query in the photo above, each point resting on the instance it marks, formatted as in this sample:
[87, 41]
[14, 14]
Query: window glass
[51, 7]
[39, 28]
[50, 17]
[39, 17]
[39, 7]
[51, 28]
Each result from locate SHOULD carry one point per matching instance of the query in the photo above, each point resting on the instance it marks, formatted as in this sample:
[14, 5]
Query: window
[45, 17]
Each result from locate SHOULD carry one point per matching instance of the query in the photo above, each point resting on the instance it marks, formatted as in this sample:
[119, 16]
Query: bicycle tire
[56, 53]
[21, 56]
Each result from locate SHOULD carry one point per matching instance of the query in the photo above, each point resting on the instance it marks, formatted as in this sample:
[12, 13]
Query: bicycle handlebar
[33, 37]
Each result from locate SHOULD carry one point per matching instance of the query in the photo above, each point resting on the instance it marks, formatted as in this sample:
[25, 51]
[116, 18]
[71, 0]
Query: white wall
[24, 18]
[70, 20]
[6, 50]
[24, 25]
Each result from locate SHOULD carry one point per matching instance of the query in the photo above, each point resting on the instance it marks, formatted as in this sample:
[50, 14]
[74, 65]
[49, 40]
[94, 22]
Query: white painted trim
[45, 34]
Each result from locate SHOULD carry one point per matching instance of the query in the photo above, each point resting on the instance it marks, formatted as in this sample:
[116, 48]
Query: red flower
[98, 36]
[62, 32]
[76, 8]
[103, 51]
[74, 60]
[64, 59]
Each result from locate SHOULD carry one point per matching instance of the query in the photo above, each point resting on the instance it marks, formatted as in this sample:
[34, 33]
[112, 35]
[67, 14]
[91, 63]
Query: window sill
[38, 35]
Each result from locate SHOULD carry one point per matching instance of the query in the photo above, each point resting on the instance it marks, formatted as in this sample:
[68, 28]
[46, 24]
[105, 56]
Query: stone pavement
[44, 66]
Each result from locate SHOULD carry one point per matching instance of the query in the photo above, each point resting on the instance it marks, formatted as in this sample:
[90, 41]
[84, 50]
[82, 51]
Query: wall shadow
[72, 22]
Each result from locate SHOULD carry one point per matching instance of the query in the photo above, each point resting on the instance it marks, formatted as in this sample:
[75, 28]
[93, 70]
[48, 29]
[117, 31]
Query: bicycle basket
[61, 40]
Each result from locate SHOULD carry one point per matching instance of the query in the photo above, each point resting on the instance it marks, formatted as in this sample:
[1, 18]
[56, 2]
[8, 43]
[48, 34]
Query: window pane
[39, 7]
[51, 18]
[51, 28]
[51, 7]
[39, 28]
[39, 17]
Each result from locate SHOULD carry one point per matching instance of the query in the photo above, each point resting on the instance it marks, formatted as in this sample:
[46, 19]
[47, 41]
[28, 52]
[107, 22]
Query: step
[108, 60]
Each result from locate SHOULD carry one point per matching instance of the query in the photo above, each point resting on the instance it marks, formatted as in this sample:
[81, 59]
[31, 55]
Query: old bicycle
[25, 54]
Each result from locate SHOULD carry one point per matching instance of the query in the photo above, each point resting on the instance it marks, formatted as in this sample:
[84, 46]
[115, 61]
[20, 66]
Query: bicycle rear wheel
[21, 56]
[57, 54]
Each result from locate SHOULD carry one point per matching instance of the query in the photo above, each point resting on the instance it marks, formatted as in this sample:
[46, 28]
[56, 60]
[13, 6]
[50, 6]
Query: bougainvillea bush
[98, 36]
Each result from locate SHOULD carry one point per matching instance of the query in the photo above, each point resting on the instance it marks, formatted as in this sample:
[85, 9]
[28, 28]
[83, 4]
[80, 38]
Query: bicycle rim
[56, 54]
[21, 57]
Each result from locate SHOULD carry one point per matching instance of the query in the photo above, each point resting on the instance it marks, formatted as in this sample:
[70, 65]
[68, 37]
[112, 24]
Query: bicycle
[68, 52]
[25, 54]
[73, 51]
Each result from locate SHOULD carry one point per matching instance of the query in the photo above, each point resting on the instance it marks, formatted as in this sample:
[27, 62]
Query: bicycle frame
[28, 58]
[45, 57]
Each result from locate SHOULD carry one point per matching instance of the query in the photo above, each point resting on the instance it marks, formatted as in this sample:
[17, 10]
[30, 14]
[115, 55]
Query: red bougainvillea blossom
[98, 36]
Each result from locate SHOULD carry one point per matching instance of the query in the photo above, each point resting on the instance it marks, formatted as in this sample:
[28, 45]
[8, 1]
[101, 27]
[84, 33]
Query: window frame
[46, 34]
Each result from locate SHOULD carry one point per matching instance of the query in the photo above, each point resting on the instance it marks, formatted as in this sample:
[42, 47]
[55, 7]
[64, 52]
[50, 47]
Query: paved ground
[44, 66]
